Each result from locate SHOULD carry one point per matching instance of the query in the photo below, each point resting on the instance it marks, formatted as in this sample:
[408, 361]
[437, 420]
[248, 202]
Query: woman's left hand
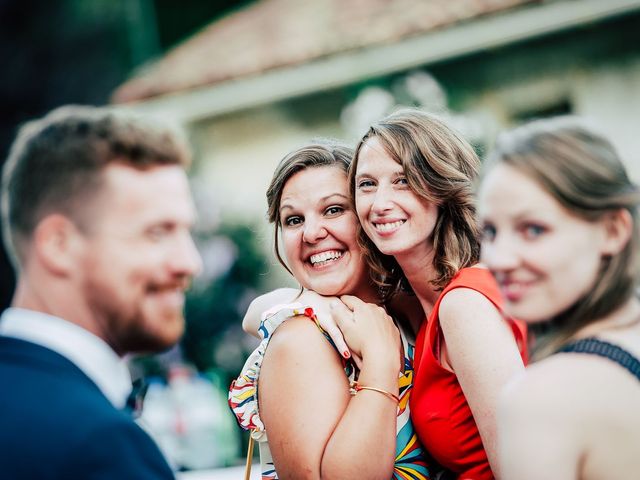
[368, 330]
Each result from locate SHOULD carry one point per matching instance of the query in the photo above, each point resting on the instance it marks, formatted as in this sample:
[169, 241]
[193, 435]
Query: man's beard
[128, 329]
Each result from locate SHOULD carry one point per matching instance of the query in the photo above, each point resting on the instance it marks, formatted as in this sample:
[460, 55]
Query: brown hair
[55, 163]
[440, 167]
[321, 153]
[583, 172]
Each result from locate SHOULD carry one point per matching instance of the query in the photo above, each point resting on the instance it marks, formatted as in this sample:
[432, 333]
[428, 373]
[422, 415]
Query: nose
[185, 261]
[500, 254]
[382, 200]
[314, 230]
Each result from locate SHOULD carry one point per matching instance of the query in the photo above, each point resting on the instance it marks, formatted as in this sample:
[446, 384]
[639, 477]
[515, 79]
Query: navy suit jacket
[55, 423]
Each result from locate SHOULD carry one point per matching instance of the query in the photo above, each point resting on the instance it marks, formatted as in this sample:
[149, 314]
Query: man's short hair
[55, 163]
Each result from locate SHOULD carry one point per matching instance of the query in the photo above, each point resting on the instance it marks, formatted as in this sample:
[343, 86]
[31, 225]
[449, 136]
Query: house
[267, 78]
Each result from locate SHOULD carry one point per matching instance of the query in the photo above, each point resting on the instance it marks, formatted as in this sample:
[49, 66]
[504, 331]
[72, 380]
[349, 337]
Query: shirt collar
[87, 351]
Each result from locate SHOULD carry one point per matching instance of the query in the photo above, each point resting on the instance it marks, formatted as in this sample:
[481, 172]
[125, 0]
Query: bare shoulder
[571, 387]
[543, 400]
[464, 305]
[540, 385]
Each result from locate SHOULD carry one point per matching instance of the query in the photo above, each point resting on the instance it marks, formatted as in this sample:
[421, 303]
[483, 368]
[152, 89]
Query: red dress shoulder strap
[481, 280]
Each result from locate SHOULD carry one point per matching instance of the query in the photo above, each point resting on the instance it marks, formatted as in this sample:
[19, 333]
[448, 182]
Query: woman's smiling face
[319, 232]
[394, 217]
[543, 256]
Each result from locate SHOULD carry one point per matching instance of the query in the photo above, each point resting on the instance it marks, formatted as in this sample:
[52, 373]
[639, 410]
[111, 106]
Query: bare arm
[316, 429]
[537, 437]
[483, 353]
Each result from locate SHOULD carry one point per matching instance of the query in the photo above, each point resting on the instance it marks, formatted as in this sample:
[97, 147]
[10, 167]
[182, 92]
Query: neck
[551, 335]
[367, 293]
[53, 299]
[628, 315]
[419, 272]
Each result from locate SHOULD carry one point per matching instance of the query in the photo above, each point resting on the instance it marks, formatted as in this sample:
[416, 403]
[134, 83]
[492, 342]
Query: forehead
[152, 194]
[507, 190]
[373, 154]
[316, 182]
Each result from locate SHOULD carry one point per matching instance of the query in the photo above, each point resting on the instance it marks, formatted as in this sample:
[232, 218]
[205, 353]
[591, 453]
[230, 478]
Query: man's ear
[55, 243]
[618, 228]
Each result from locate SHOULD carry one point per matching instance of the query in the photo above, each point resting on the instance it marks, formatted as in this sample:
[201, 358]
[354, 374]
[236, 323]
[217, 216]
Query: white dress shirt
[88, 352]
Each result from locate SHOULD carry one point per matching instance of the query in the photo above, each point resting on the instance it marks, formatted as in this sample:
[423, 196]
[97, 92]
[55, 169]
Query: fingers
[358, 361]
[351, 301]
[321, 306]
[334, 332]
[342, 314]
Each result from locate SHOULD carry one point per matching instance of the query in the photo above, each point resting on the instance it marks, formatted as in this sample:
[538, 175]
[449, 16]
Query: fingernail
[346, 354]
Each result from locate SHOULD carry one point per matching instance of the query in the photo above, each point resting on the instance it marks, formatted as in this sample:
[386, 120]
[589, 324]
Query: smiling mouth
[325, 258]
[169, 296]
[388, 227]
[514, 291]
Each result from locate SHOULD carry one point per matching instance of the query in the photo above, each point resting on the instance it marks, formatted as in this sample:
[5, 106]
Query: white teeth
[387, 227]
[325, 257]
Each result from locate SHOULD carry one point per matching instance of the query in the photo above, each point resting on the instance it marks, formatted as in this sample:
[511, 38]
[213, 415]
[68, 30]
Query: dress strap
[605, 349]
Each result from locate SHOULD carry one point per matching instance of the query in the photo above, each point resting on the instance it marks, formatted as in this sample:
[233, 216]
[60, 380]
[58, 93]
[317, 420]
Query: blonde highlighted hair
[440, 167]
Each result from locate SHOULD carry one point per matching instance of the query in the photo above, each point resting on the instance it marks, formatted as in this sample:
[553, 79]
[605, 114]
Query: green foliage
[214, 312]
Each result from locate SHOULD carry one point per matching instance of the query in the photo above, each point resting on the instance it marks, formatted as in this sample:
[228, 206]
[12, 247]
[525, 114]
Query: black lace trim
[605, 349]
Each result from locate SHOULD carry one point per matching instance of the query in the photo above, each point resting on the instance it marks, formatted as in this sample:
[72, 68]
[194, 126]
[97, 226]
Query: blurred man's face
[138, 257]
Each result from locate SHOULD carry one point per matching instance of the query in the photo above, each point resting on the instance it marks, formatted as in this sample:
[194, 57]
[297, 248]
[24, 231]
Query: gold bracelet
[355, 387]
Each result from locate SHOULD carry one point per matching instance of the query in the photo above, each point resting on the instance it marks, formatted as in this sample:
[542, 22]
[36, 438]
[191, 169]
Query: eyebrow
[399, 173]
[323, 199]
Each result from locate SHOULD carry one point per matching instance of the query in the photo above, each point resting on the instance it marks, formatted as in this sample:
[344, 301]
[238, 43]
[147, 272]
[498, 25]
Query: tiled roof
[270, 34]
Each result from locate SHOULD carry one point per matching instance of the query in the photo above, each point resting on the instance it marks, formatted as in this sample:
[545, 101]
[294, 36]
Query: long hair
[583, 172]
[318, 154]
[441, 168]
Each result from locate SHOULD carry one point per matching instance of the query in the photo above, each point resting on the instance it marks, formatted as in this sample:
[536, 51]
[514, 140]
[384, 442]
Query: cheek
[573, 270]
[361, 207]
[349, 229]
[291, 247]
[585, 269]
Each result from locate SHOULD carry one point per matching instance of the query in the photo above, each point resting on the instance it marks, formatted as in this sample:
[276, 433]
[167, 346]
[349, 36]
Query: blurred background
[252, 80]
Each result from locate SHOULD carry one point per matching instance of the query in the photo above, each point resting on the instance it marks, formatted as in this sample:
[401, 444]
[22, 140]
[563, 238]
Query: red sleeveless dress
[439, 410]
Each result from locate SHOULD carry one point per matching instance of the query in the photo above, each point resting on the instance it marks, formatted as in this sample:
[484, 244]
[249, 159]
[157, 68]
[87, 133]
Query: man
[97, 213]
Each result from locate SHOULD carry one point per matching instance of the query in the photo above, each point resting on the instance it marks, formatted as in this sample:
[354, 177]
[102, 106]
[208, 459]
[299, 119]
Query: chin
[161, 342]
[527, 315]
[162, 331]
[331, 289]
[326, 290]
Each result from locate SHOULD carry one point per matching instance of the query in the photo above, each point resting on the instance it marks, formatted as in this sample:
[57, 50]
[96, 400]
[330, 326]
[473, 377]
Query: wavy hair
[440, 167]
[582, 170]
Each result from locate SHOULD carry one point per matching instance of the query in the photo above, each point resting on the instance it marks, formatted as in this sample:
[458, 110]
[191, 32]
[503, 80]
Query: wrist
[382, 358]
[374, 371]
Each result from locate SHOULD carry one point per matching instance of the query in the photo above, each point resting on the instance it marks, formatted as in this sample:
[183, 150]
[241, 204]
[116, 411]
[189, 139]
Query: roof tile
[270, 34]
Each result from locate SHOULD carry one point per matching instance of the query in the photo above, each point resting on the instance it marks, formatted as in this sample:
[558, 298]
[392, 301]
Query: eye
[158, 232]
[292, 221]
[334, 210]
[488, 232]
[532, 231]
[401, 181]
[365, 184]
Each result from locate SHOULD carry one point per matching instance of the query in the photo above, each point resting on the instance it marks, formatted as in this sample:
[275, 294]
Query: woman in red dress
[412, 182]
